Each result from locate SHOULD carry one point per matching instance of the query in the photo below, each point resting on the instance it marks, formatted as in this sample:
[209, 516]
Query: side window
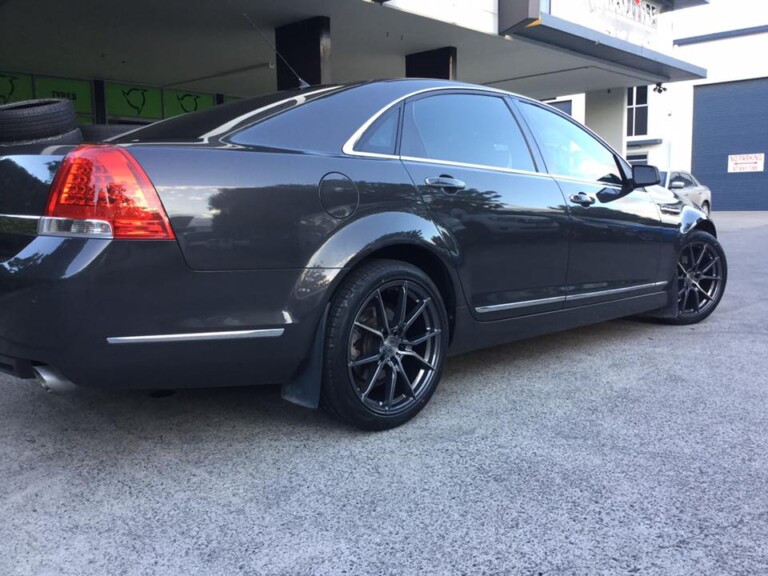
[381, 137]
[569, 150]
[681, 178]
[469, 128]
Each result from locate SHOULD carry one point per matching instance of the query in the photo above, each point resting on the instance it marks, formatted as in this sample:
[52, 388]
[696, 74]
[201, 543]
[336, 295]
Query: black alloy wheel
[700, 278]
[386, 344]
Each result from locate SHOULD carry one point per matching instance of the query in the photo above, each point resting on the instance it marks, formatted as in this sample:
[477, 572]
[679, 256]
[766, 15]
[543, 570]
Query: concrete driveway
[623, 448]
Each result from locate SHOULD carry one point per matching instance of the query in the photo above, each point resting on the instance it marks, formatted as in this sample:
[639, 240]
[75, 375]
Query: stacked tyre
[32, 125]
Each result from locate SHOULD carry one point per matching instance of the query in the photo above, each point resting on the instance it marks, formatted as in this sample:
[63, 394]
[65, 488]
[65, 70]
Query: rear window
[225, 118]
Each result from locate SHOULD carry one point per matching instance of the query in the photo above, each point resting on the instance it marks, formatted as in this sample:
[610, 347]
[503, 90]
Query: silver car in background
[686, 184]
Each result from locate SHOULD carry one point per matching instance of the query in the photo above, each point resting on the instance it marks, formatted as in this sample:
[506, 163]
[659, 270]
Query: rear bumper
[131, 314]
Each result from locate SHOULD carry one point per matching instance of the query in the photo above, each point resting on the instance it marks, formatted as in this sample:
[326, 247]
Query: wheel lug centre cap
[390, 346]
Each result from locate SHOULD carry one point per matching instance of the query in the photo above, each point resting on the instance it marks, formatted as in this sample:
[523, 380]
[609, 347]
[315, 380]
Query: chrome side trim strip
[586, 295]
[198, 336]
[18, 224]
[513, 305]
[568, 298]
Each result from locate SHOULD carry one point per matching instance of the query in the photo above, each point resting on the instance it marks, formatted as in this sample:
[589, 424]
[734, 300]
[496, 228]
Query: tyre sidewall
[692, 237]
[338, 391]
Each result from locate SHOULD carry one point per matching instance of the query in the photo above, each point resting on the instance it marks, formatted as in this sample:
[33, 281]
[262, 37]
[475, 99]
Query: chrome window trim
[567, 298]
[349, 145]
[197, 336]
[586, 181]
[476, 166]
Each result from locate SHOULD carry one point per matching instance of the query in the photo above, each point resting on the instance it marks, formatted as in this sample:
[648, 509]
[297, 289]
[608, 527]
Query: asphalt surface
[623, 448]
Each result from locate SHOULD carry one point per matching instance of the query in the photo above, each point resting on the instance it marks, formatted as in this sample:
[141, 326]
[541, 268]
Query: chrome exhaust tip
[52, 380]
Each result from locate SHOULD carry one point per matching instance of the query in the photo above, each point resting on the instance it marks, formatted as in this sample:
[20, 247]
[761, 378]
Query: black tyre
[101, 132]
[34, 119]
[700, 277]
[385, 345]
[705, 208]
[34, 146]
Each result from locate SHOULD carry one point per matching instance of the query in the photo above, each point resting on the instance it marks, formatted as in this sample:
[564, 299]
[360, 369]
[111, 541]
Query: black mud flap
[304, 389]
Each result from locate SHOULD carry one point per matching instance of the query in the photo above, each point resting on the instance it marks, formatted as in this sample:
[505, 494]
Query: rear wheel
[385, 346]
[705, 207]
[700, 278]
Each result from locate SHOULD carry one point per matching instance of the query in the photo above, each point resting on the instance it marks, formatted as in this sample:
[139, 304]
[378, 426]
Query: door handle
[582, 198]
[445, 183]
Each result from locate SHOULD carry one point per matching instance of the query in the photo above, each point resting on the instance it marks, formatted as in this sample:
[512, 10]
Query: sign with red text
[746, 163]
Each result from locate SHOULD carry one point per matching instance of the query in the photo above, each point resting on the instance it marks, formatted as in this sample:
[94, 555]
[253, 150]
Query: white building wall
[605, 114]
[742, 58]
[481, 15]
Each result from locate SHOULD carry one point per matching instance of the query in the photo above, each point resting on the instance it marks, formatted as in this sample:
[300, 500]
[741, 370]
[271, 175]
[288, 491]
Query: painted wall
[481, 15]
[604, 112]
[671, 113]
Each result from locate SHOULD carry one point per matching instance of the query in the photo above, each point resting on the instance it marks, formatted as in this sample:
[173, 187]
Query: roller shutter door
[731, 118]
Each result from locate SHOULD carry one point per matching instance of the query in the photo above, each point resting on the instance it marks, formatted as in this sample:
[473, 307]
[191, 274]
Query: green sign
[15, 87]
[79, 91]
[180, 102]
[228, 99]
[124, 100]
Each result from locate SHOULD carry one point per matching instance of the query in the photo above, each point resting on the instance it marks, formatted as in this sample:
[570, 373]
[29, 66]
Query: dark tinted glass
[190, 127]
[468, 128]
[641, 121]
[642, 95]
[630, 96]
[381, 137]
[568, 149]
[631, 122]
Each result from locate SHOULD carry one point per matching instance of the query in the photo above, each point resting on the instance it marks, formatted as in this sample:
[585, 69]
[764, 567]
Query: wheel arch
[418, 242]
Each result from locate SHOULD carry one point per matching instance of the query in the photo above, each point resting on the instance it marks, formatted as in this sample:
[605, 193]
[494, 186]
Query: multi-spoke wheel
[700, 278]
[385, 345]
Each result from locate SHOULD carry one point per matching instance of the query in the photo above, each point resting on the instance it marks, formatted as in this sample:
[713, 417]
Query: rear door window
[465, 128]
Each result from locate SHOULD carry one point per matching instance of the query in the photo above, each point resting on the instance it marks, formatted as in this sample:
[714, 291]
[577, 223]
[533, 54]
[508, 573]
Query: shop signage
[178, 102]
[127, 101]
[15, 87]
[746, 163]
[635, 21]
[80, 92]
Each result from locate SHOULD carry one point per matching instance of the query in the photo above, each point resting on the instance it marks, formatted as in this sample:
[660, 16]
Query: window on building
[638, 159]
[637, 111]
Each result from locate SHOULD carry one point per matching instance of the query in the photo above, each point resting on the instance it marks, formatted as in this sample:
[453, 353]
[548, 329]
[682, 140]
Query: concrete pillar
[306, 45]
[606, 113]
[439, 63]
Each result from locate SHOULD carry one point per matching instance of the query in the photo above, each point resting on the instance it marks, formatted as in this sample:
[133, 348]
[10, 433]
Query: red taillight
[104, 184]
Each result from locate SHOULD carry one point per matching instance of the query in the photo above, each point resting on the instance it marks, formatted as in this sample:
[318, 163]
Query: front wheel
[700, 278]
[385, 345]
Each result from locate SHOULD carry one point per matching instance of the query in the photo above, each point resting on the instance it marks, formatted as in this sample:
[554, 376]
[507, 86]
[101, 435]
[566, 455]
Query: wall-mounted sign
[635, 21]
[15, 87]
[127, 101]
[181, 102]
[80, 92]
[746, 163]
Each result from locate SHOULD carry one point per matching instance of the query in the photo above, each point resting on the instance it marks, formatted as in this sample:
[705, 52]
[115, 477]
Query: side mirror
[677, 185]
[645, 176]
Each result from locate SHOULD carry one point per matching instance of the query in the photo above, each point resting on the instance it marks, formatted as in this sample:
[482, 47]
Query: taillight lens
[103, 191]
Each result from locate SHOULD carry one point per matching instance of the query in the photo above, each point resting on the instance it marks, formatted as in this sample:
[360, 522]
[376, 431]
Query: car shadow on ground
[223, 411]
